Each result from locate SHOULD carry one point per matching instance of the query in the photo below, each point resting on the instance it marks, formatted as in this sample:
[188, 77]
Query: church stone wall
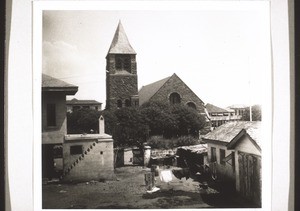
[174, 84]
[120, 87]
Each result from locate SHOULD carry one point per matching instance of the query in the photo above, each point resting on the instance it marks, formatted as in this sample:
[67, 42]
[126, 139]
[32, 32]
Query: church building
[122, 81]
[121, 73]
[171, 90]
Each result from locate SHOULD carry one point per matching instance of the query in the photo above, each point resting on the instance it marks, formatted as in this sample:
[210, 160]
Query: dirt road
[129, 191]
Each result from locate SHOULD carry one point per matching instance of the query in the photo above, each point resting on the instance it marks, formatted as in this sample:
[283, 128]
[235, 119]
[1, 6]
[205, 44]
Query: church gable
[174, 90]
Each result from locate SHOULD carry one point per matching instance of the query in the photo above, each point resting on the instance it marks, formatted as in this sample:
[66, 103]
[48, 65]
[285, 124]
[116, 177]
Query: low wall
[96, 162]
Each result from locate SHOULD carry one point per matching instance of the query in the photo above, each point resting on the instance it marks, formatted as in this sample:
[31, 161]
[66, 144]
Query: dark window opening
[75, 150]
[51, 115]
[233, 161]
[123, 62]
[213, 154]
[57, 151]
[75, 108]
[175, 98]
[86, 107]
[118, 63]
[191, 105]
[119, 103]
[222, 156]
[127, 103]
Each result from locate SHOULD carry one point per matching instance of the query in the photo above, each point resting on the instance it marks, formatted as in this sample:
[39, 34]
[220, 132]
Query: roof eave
[213, 141]
[66, 90]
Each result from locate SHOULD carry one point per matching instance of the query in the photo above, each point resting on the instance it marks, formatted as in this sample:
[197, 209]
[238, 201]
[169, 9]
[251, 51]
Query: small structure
[88, 156]
[194, 157]
[248, 163]
[234, 155]
[132, 156]
[54, 123]
[219, 116]
[74, 104]
[239, 110]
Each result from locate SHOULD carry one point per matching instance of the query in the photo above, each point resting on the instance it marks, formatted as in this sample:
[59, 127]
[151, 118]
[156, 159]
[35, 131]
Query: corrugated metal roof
[82, 102]
[229, 130]
[199, 149]
[146, 92]
[120, 43]
[214, 109]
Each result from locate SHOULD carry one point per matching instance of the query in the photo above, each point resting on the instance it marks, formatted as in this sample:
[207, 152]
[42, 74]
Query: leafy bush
[171, 121]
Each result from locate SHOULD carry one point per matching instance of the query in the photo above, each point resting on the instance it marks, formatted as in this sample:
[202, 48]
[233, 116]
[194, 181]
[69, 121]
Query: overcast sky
[216, 53]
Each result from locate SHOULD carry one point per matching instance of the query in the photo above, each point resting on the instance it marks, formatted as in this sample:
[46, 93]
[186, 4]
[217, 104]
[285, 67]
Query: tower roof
[120, 43]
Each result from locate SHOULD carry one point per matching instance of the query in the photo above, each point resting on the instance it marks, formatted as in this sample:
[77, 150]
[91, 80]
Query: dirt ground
[129, 191]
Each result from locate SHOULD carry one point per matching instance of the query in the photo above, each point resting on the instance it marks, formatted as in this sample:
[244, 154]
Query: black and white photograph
[154, 109]
[149, 105]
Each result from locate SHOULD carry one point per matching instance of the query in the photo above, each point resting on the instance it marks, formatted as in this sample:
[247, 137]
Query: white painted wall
[226, 171]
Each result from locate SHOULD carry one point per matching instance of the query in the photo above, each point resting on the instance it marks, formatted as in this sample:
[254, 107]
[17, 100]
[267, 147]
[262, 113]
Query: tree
[83, 121]
[189, 121]
[256, 113]
[171, 121]
[129, 129]
[159, 118]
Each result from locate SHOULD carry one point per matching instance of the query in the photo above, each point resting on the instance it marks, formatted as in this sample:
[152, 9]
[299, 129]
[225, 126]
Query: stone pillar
[147, 155]
[101, 125]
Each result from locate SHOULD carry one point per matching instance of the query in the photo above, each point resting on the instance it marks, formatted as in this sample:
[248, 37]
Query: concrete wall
[224, 171]
[54, 134]
[128, 156]
[97, 164]
[244, 145]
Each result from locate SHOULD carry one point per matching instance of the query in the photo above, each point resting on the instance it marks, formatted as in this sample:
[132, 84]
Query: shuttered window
[51, 114]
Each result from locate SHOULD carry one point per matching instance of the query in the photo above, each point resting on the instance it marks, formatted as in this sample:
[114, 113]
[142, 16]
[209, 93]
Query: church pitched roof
[146, 92]
[120, 43]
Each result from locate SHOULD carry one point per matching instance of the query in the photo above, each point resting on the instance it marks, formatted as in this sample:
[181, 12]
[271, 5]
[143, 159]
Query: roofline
[189, 88]
[213, 141]
[160, 87]
[71, 103]
[233, 142]
[68, 90]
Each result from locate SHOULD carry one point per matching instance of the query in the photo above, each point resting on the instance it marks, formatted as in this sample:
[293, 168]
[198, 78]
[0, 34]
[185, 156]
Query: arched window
[127, 103]
[119, 103]
[191, 105]
[175, 98]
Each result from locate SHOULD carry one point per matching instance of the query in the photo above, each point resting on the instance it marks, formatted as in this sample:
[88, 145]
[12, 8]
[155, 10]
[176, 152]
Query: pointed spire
[120, 43]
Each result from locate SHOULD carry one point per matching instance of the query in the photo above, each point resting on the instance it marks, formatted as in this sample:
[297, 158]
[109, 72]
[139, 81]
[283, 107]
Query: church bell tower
[121, 73]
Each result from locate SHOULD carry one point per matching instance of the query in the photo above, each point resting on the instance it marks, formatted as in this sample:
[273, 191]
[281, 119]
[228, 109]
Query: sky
[221, 55]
